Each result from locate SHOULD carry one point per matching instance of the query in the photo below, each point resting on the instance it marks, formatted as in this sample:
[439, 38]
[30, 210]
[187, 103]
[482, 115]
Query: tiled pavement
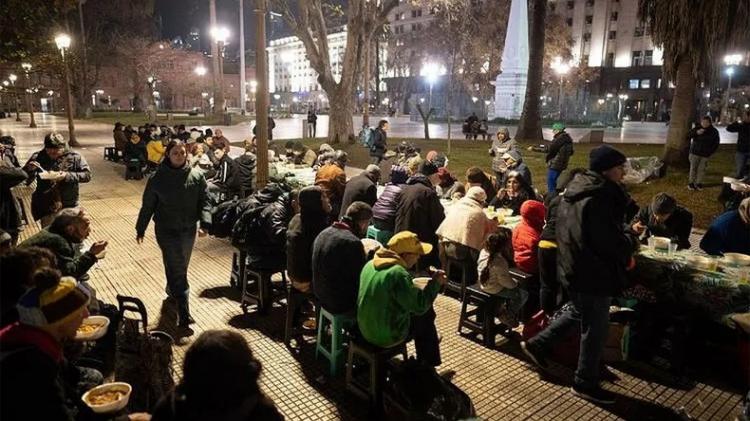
[501, 385]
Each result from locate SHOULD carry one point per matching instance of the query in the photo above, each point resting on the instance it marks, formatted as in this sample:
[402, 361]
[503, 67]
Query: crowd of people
[576, 243]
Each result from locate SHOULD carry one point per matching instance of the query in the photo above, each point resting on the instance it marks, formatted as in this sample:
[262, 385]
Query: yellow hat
[407, 242]
[52, 303]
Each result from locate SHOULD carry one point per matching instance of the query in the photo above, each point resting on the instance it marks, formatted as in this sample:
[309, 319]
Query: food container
[736, 259]
[702, 262]
[421, 283]
[660, 244]
[120, 390]
[86, 331]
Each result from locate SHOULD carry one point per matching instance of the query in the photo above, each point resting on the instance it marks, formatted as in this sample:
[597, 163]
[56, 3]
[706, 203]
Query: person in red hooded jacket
[526, 236]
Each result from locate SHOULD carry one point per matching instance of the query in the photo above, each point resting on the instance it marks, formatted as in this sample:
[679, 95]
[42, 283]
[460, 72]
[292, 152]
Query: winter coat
[513, 203]
[73, 163]
[175, 198]
[332, 179]
[705, 144]
[299, 249]
[465, 223]
[359, 188]
[379, 143]
[121, 139]
[388, 299]
[337, 260]
[743, 135]
[384, 210]
[244, 172]
[498, 150]
[176, 407]
[135, 150]
[225, 170]
[677, 227]
[419, 209]
[70, 261]
[268, 250]
[526, 236]
[271, 126]
[494, 273]
[593, 247]
[155, 150]
[11, 175]
[559, 152]
[549, 232]
[31, 376]
[728, 233]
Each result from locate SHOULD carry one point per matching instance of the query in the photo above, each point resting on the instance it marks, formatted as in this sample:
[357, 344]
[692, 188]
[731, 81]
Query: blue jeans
[741, 160]
[591, 312]
[552, 176]
[176, 248]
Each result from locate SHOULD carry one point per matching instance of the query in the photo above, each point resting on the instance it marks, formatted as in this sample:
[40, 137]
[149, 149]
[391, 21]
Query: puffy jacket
[135, 150]
[175, 198]
[155, 151]
[466, 224]
[743, 135]
[559, 152]
[549, 231]
[526, 236]
[419, 209]
[268, 250]
[728, 233]
[244, 172]
[332, 179]
[385, 207]
[359, 188]
[337, 260]
[73, 163]
[704, 144]
[593, 247]
[11, 175]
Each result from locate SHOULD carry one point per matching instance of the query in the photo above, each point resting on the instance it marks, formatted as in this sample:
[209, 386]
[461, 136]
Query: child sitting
[494, 263]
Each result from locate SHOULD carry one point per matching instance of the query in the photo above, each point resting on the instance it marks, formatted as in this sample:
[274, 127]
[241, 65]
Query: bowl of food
[422, 282]
[701, 262]
[109, 397]
[736, 259]
[92, 328]
[661, 244]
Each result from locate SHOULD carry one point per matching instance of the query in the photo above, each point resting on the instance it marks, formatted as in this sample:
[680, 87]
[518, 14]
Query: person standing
[379, 142]
[312, 124]
[594, 251]
[742, 157]
[705, 141]
[501, 145]
[558, 155]
[175, 197]
[64, 171]
[11, 175]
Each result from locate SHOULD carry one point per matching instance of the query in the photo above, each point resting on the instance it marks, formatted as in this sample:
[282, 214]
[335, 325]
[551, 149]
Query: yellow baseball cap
[408, 242]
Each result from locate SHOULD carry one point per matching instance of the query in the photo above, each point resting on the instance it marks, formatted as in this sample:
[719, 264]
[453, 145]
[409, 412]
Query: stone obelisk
[510, 85]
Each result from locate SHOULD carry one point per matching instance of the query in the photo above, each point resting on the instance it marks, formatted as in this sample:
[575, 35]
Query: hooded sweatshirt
[466, 222]
[388, 298]
[526, 236]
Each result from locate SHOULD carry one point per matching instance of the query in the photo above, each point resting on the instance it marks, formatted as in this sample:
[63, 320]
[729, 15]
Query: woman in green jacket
[175, 197]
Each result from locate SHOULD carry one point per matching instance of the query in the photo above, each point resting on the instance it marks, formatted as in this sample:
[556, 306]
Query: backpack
[144, 359]
[223, 218]
[367, 137]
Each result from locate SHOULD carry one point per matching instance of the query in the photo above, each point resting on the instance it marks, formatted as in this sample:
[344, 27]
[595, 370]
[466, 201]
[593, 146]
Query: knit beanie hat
[53, 301]
[54, 140]
[428, 168]
[477, 194]
[398, 174]
[605, 157]
[558, 126]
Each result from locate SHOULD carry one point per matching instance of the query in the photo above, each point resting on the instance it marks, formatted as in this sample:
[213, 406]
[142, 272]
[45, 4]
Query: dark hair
[17, 271]
[171, 145]
[289, 144]
[313, 218]
[219, 373]
[663, 204]
[500, 242]
[382, 123]
[525, 186]
[475, 175]
[359, 211]
[398, 174]
[65, 218]
[705, 117]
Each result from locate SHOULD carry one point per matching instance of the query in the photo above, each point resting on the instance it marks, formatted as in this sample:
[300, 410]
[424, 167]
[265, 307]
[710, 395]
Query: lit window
[633, 83]
[645, 83]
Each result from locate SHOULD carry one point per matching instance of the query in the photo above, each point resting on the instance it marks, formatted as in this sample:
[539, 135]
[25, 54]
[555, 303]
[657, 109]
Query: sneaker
[594, 394]
[534, 355]
[692, 187]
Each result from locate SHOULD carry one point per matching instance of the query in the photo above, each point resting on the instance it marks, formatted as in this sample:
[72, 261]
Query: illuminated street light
[474, 99]
[220, 34]
[276, 96]
[431, 72]
[561, 68]
[200, 71]
[63, 43]
[29, 103]
[730, 60]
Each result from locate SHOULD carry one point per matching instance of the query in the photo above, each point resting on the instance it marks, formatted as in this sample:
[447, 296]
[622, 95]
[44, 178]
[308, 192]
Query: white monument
[510, 85]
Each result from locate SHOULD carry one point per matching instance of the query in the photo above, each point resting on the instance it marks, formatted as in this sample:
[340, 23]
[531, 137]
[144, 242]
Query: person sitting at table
[515, 193]
[199, 159]
[361, 188]
[464, 229]
[314, 212]
[390, 307]
[17, 269]
[325, 155]
[135, 150]
[155, 149]
[475, 176]
[449, 188]
[244, 174]
[729, 232]
[384, 210]
[302, 155]
[514, 163]
[38, 382]
[219, 141]
[495, 260]
[221, 183]
[526, 236]
[332, 179]
[664, 218]
[219, 382]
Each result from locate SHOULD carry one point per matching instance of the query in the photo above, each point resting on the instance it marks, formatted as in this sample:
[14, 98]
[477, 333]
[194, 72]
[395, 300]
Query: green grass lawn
[465, 154]
[137, 119]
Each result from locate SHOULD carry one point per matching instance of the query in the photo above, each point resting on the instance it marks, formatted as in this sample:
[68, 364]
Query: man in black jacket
[705, 142]
[338, 258]
[742, 158]
[664, 218]
[11, 175]
[361, 188]
[594, 251]
[558, 155]
[379, 142]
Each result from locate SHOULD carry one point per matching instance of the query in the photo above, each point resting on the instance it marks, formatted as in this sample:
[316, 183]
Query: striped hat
[53, 305]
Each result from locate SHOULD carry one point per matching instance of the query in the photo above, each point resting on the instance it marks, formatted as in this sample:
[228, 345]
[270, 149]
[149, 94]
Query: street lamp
[730, 60]
[430, 71]
[621, 97]
[99, 93]
[220, 34]
[63, 43]
[13, 79]
[561, 68]
[200, 71]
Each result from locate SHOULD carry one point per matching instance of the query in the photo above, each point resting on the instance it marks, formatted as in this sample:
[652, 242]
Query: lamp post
[151, 82]
[621, 98]
[12, 78]
[261, 99]
[561, 68]
[220, 35]
[253, 90]
[204, 98]
[243, 88]
[99, 93]
[430, 72]
[63, 43]
[730, 60]
[26, 69]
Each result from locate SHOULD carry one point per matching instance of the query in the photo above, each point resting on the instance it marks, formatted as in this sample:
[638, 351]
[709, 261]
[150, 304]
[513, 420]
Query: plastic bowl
[421, 283]
[737, 259]
[111, 406]
[100, 321]
[661, 243]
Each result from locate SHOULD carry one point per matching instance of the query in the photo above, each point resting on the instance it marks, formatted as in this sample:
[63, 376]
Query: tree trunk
[425, 120]
[678, 145]
[340, 123]
[530, 125]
